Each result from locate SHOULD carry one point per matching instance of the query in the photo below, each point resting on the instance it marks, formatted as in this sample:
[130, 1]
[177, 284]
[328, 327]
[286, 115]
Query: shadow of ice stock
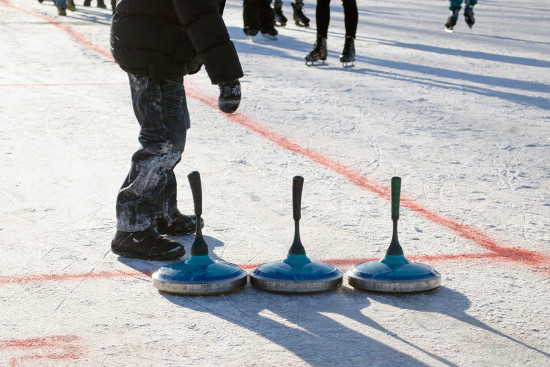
[308, 326]
[444, 301]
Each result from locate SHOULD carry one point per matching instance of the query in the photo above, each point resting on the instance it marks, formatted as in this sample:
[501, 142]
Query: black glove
[230, 96]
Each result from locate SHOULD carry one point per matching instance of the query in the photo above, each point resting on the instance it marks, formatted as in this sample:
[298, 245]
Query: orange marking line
[4, 280]
[77, 36]
[57, 347]
[533, 259]
[538, 261]
[58, 84]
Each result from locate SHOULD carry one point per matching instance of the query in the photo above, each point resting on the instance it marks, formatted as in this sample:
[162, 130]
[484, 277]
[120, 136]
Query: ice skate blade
[315, 62]
[449, 30]
[269, 37]
[348, 64]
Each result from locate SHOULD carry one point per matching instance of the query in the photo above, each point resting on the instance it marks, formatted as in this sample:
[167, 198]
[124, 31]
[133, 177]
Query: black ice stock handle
[196, 188]
[297, 186]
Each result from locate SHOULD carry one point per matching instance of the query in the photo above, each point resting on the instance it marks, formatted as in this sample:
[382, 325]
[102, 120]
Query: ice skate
[250, 32]
[70, 5]
[319, 53]
[270, 34]
[348, 54]
[300, 18]
[280, 19]
[469, 14]
[451, 20]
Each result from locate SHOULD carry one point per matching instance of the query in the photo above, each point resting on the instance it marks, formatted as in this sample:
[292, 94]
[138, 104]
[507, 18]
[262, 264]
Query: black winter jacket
[170, 38]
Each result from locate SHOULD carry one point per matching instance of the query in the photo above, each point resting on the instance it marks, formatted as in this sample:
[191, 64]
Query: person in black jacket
[157, 43]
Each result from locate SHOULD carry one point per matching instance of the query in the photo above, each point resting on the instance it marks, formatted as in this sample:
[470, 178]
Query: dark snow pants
[258, 15]
[322, 17]
[149, 191]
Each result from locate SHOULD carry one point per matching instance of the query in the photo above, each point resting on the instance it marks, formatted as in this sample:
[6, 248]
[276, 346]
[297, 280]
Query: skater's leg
[469, 12]
[350, 17]
[267, 18]
[298, 15]
[454, 7]
[251, 17]
[278, 13]
[322, 17]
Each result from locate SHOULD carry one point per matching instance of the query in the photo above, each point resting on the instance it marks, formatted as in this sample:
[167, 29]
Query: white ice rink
[462, 118]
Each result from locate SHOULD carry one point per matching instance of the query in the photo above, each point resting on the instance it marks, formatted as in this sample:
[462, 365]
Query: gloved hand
[230, 96]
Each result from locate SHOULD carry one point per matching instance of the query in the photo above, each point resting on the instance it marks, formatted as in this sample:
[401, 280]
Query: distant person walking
[322, 13]
[455, 6]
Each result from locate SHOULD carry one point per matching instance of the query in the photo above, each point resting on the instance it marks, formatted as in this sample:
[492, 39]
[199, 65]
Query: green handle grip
[395, 196]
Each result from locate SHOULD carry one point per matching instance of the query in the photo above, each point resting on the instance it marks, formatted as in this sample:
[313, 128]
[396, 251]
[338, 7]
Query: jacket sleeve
[204, 25]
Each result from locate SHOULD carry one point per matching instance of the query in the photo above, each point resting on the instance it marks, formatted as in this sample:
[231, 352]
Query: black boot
[87, 2]
[469, 14]
[451, 20]
[280, 19]
[319, 52]
[178, 224]
[299, 17]
[348, 54]
[101, 4]
[147, 245]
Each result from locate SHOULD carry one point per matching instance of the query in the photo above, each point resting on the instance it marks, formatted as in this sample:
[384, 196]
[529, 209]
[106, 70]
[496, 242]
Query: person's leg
[299, 17]
[267, 18]
[469, 12]
[350, 17]
[350, 20]
[251, 21]
[159, 108]
[454, 7]
[322, 14]
[322, 17]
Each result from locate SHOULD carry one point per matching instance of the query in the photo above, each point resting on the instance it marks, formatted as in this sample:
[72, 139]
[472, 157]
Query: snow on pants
[322, 17]
[149, 191]
[458, 3]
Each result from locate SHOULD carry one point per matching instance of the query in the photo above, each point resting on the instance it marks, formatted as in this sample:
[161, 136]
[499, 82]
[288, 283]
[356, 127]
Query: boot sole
[173, 255]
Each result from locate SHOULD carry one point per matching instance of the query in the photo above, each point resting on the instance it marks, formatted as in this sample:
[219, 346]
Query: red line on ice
[52, 347]
[538, 261]
[472, 257]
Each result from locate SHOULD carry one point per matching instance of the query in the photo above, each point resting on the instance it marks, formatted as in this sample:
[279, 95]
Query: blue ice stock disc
[199, 275]
[393, 274]
[296, 274]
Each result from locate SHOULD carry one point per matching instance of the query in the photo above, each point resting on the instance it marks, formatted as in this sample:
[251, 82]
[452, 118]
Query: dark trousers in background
[150, 188]
[322, 17]
[258, 15]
